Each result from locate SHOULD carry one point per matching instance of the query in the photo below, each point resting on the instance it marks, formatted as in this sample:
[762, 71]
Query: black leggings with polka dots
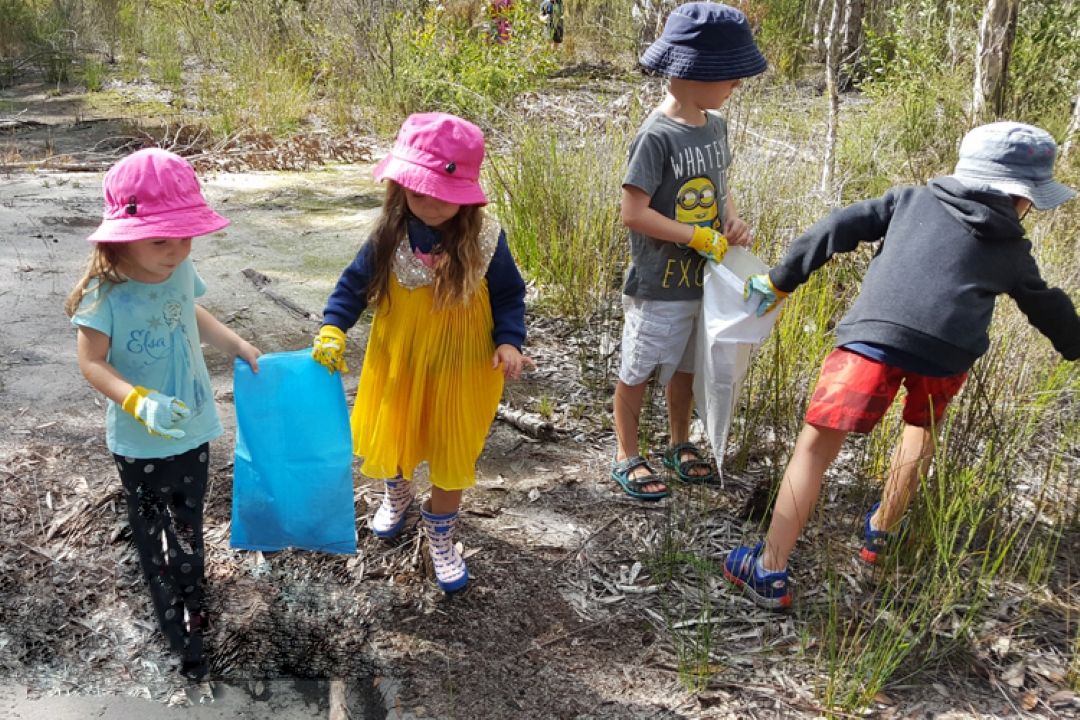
[165, 508]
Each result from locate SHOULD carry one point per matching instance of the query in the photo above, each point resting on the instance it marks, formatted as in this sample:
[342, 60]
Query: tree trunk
[817, 44]
[851, 33]
[1072, 133]
[832, 52]
[997, 30]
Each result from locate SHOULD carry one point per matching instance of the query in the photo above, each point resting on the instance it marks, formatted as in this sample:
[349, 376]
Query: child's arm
[636, 214]
[841, 231]
[506, 293]
[220, 336]
[1049, 310]
[343, 309]
[93, 349]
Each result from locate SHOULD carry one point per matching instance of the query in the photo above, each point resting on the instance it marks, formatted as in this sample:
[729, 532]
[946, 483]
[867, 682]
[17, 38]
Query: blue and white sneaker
[769, 590]
[875, 542]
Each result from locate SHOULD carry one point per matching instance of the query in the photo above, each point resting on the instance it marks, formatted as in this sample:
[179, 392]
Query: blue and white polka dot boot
[450, 570]
[390, 517]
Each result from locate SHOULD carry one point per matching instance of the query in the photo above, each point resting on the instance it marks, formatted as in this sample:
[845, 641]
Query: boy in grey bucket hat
[921, 320]
[675, 202]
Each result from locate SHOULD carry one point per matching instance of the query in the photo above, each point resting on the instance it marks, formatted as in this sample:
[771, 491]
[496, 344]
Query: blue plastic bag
[292, 478]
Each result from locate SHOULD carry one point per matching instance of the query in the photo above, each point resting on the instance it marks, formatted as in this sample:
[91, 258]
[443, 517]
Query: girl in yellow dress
[448, 328]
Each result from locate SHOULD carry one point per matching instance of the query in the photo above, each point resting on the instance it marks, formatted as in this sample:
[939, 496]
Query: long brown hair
[101, 270]
[458, 272]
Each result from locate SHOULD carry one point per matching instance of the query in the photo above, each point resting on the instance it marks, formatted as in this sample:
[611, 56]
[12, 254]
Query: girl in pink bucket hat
[448, 328]
[139, 344]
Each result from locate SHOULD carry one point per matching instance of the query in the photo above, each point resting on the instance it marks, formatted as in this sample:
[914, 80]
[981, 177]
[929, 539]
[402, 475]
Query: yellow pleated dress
[427, 389]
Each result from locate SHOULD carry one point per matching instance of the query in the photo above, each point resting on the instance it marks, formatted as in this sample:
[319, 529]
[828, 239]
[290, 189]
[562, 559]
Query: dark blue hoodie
[948, 252]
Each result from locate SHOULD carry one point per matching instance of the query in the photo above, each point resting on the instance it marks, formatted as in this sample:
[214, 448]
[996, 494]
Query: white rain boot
[390, 517]
[450, 570]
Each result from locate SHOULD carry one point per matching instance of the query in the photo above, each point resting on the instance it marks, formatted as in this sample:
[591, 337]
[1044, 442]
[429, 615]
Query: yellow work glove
[329, 349]
[160, 414]
[709, 243]
[761, 289]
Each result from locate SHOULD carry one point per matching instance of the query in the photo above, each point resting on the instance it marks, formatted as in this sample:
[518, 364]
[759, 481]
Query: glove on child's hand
[160, 414]
[759, 288]
[709, 243]
[329, 349]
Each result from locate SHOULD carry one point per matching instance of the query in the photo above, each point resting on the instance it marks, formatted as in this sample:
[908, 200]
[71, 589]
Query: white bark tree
[832, 56]
[997, 31]
[1072, 133]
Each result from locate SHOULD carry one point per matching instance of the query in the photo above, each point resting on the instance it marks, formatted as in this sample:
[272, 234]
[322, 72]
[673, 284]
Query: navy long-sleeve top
[506, 288]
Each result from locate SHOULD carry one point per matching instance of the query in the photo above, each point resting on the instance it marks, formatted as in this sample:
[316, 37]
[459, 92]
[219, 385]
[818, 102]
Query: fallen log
[531, 424]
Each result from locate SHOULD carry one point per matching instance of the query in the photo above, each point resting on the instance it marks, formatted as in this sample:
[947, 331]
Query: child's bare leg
[814, 451]
[444, 501]
[627, 408]
[910, 463]
[680, 406]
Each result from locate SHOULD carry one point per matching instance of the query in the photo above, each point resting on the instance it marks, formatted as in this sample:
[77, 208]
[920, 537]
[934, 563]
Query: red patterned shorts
[854, 392]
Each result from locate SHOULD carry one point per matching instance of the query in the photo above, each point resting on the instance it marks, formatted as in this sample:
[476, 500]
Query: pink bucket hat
[154, 193]
[439, 155]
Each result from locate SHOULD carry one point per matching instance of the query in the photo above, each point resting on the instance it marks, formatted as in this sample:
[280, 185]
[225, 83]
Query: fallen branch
[529, 423]
[14, 123]
[261, 282]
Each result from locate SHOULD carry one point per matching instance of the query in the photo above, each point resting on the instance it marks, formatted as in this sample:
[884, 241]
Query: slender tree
[997, 31]
[1072, 133]
[850, 40]
[832, 56]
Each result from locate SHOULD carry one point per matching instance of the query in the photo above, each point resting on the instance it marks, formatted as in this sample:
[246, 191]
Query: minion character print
[695, 203]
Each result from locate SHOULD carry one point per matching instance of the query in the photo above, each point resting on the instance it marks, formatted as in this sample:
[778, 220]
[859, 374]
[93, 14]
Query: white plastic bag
[728, 331]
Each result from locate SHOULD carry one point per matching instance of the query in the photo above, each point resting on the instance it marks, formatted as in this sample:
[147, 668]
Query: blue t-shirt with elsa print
[154, 342]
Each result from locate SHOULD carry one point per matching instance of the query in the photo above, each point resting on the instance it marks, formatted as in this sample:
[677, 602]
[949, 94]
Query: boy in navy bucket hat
[675, 202]
[921, 320]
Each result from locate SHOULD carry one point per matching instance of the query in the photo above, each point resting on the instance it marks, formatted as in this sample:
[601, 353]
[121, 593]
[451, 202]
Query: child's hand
[329, 349]
[512, 361]
[249, 353]
[759, 289]
[161, 414]
[708, 243]
[737, 231]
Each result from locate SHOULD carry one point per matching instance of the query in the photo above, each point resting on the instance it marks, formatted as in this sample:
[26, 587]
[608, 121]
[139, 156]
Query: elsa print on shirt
[180, 380]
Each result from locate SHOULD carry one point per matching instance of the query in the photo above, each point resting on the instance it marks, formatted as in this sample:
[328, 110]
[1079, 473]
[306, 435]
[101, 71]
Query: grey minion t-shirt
[684, 171]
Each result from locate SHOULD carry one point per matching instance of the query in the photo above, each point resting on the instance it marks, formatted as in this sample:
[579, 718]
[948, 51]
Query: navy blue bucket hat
[705, 41]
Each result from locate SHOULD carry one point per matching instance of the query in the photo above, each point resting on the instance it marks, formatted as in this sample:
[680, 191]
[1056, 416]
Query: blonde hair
[458, 273]
[101, 273]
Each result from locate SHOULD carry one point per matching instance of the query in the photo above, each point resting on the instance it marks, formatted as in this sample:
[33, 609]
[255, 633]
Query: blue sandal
[684, 469]
[621, 473]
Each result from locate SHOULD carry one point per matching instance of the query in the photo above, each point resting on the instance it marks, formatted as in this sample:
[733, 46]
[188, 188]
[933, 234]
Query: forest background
[860, 95]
